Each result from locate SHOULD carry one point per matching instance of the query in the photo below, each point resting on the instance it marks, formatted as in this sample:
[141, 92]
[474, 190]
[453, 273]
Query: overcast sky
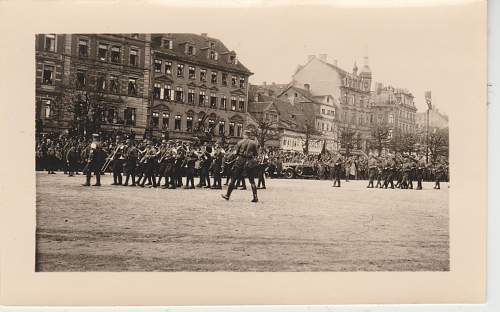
[421, 48]
[437, 48]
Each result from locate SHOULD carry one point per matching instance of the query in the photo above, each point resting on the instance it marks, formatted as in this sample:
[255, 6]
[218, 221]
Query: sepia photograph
[192, 153]
[319, 148]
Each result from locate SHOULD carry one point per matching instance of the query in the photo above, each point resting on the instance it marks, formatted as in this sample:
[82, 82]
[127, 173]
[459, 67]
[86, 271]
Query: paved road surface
[298, 225]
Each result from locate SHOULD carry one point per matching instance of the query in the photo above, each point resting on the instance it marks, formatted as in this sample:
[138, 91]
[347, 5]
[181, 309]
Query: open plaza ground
[297, 225]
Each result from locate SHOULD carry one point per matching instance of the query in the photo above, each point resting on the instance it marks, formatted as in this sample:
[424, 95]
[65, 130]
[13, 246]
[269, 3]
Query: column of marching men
[168, 164]
[173, 164]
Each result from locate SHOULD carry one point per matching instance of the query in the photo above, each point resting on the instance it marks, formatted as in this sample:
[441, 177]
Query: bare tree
[380, 137]
[439, 143]
[347, 139]
[309, 130]
[81, 104]
[403, 142]
[265, 131]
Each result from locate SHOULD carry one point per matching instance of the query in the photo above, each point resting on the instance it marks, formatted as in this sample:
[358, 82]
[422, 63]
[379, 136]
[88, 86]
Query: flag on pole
[428, 99]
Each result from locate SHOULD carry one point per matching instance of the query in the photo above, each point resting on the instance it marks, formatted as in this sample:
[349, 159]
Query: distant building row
[338, 102]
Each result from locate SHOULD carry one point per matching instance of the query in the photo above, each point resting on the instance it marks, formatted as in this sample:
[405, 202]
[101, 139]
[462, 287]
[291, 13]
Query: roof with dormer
[202, 44]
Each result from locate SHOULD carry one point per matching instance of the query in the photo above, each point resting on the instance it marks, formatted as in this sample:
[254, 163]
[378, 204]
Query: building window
[189, 123]
[223, 102]
[177, 125]
[241, 104]
[155, 120]
[179, 95]
[190, 50]
[233, 103]
[83, 48]
[323, 111]
[211, 123]
[242, 83]
[192, 72]
[134, 57]
[168, 67]
[202, 98]
[113, 84]
[165, 120]
[129, 116]
[168, 92]
[214, 77]
[169, 44]
[101, 83]
[203, 75]
[213, 100]
[110, 115]
[222, 128]
[48, 75]
[233, 81]
[231, 129]
[157, 66]
[191, 96]
[157, 91]
[391, 118]
[81, 79]
[224, 79]
[50, 43]
[213, 55]
[102, 52]
[212, 45]
[132, 86]
[47, 108]
[115, 54]
[180, 70]
[239, 129]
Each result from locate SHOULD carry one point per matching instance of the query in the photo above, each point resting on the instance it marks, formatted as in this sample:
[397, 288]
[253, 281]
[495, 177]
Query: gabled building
[322, 108]
[196, 79]
[349, 90]
[293, 119]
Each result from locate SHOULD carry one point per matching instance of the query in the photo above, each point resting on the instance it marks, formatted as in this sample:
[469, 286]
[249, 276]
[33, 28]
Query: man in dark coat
[246, 152]
[95, 159]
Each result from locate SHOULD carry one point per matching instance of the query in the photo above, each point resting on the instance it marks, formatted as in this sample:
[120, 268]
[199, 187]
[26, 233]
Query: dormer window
[232, 59]
[212, 45]
[168, 44]
[190, 50]
[213, 55]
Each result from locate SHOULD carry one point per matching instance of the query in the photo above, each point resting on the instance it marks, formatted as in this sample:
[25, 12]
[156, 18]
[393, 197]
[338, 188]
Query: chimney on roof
[204, 35]
[273, 83]
[307, 87]
[378, 87]
[264, 83]
[323, 57]
[310, 57]
[335, 62]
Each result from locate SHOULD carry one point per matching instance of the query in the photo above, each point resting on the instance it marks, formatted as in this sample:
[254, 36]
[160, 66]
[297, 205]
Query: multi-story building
[294, 121]
[394, 108]
[196, 80]
[351, 90]
[82, 76]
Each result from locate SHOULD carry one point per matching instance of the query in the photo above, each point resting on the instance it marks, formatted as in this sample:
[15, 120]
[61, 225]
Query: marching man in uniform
[117, 162]
[95, 159]
[246, 152]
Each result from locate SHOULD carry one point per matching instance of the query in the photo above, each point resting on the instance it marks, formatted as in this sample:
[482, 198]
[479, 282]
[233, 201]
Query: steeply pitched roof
[201, 43]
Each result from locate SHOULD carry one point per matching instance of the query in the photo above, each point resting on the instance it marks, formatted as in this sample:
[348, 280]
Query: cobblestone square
[298, 225]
